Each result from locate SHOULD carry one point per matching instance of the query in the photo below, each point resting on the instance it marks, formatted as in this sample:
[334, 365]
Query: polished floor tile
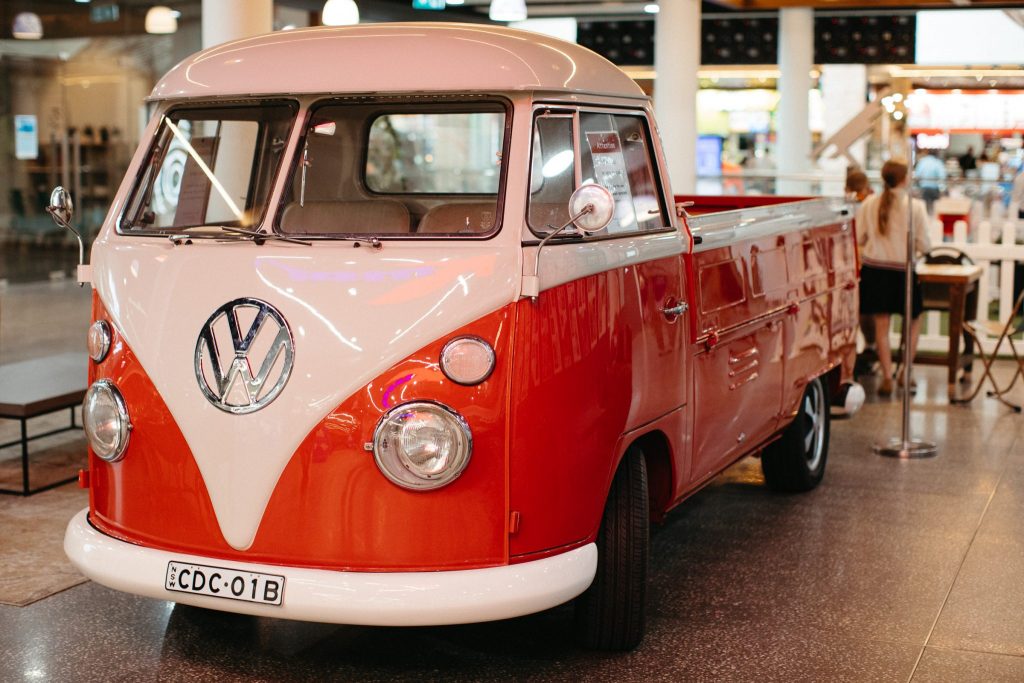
[953, 666]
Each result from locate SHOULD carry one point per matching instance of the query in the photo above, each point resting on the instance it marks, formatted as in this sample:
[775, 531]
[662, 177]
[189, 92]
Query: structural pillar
[225, 20]
[796, 57]
[676, 61]
[844, 89]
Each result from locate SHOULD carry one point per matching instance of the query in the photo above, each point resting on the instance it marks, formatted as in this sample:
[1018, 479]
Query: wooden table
[952, 288]
[39, 387]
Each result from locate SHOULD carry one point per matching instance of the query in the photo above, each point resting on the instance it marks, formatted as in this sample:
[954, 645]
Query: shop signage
[26, 136]
[965, 111]
[428, 4]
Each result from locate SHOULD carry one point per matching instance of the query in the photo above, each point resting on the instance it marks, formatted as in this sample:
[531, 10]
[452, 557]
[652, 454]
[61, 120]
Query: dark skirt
[882, 291]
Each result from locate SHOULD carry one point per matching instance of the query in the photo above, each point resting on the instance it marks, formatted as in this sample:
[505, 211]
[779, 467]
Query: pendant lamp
[27, 26]
[340, 13]
[161, 20]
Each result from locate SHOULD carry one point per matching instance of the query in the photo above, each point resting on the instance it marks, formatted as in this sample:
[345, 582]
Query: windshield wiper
[257, 236]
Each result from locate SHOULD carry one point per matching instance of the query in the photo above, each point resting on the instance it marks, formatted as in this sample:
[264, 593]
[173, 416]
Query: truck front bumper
[365, 598]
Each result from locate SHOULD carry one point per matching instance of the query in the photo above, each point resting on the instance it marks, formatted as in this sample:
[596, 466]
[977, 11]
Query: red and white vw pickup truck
[424, 341]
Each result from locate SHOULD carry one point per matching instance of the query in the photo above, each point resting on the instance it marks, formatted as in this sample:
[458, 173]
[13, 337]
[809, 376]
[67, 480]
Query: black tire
[610, 614]
[796, 462]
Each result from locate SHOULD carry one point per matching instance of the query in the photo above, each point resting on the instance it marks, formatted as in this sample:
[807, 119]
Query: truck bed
[774, 282]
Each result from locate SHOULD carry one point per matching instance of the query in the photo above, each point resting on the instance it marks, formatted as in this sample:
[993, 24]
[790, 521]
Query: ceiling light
[340, 13]
[27, 26]
[161, 19]
[455, 2]
[652, 8]
[507, 10]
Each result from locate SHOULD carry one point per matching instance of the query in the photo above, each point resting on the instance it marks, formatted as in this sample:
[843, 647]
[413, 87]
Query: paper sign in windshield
[194, 184]
[610, 171]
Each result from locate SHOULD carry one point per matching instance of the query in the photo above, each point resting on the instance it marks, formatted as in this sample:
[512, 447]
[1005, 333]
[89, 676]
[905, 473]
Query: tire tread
[610, 614]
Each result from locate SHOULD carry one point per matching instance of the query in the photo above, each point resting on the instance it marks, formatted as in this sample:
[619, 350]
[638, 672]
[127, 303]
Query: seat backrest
[368, 217]
[459, 217]
[947, 256]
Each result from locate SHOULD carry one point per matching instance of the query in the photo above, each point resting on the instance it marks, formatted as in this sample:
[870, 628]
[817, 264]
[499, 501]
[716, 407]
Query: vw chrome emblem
[225, 356]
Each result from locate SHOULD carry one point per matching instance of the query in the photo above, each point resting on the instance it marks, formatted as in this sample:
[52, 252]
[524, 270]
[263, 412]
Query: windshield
[397, 170]
[210, 166]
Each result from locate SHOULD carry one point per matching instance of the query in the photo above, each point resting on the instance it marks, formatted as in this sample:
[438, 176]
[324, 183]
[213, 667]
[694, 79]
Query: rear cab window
[398, 169]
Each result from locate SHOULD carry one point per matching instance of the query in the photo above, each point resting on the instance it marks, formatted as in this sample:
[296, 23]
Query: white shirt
[890, 250]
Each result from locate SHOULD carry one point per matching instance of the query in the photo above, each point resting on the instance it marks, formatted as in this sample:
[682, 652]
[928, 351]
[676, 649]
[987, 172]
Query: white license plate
[220, 582]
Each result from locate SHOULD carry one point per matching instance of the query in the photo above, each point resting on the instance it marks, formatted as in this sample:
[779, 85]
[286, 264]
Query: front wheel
[610, 614]
[796, 462]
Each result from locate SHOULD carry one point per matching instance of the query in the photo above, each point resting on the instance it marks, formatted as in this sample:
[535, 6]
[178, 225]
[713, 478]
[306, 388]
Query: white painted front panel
[353, 313]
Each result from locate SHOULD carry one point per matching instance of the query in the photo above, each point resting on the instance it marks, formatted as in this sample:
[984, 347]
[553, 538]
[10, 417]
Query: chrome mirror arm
[531, 283]
[59, 220]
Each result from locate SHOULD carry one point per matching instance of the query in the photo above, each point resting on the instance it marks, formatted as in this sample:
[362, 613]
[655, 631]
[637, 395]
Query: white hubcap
[813, 409]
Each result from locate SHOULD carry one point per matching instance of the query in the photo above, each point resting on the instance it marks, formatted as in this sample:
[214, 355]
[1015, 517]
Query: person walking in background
[857, 186]
[930, 173]
[857, 190]
[967, 162]
[882, 224]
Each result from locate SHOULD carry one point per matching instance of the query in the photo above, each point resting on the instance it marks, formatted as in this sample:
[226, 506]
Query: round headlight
[422, 445]
[105, 418]
[99, 340]
[467, 360]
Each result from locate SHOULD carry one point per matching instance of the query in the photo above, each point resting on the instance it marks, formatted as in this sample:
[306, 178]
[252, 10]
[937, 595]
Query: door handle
[672, 312]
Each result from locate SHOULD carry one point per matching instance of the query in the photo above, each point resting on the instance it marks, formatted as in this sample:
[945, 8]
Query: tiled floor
[890, 571]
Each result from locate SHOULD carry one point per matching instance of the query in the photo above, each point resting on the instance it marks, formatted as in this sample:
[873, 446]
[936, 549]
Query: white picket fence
[992, 243]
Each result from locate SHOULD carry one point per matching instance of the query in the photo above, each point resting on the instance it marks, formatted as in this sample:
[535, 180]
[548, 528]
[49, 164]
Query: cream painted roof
[397, 57]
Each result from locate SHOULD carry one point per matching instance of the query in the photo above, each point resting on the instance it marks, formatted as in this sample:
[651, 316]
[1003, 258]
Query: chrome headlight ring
[422, 445]
[104, 395]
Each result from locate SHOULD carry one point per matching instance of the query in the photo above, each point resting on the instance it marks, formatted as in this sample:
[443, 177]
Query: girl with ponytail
[882, 224]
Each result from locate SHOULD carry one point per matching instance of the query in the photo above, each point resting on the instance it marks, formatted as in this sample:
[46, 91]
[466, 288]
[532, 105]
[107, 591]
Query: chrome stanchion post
[904, 446]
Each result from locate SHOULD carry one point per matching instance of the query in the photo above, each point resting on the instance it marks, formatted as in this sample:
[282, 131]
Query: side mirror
[600, 202]
[591, 209]
[61, 207]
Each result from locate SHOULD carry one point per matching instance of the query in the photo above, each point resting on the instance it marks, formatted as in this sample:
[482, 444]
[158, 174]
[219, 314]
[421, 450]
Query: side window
[616, 153]
[552, 171]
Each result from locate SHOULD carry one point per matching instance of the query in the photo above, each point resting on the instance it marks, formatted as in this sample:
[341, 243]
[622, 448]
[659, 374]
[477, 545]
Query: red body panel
[730, 202]
[332, 507]
[155, 495]
[772, 314]
[595, 358]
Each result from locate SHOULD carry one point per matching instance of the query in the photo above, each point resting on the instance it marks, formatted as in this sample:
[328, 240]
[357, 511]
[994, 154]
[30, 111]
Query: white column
[225, 20]
[844, 95]
[796, 55]
[676, 60]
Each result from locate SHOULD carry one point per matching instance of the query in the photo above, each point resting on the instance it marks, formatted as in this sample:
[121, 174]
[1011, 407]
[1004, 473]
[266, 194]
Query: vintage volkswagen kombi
[398, 324]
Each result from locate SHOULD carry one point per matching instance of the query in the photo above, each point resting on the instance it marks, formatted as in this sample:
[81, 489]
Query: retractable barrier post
[904, 446]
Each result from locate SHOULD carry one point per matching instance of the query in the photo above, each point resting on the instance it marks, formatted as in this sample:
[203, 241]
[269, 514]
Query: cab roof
[394, 57]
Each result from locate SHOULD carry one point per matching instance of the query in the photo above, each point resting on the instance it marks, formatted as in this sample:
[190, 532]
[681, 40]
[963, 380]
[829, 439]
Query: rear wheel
[610, 614]
[796, 462]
